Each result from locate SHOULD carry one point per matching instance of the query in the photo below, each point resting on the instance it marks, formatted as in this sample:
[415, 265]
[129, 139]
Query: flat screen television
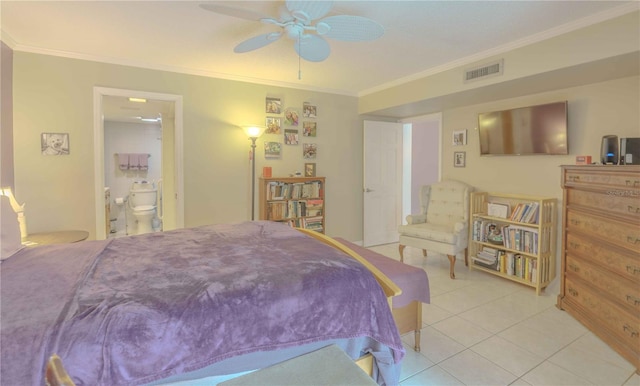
[540, 129]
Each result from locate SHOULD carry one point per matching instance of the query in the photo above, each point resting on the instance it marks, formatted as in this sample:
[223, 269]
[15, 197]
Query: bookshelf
[298, 201]
[514, 237]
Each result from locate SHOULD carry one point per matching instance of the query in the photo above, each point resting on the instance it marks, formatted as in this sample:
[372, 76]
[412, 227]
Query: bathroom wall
[122, 137]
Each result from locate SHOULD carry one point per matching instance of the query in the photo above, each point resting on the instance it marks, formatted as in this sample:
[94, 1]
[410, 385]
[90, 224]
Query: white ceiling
[421, 37]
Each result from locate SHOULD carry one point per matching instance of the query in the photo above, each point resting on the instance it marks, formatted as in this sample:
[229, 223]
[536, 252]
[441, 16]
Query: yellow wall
[594, 110]
[53, 94]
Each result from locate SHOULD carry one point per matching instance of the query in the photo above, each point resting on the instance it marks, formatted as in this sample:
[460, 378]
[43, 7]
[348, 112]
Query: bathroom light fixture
[253, 132]
[139, 100]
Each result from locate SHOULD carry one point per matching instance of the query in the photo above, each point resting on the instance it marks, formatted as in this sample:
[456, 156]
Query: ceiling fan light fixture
[294, 31]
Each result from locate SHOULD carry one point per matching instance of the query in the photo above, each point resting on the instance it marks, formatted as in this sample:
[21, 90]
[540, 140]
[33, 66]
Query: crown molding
[548, 34]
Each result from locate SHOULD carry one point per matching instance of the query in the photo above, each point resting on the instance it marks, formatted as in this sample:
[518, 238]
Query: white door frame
[434, 117]
[98, 150]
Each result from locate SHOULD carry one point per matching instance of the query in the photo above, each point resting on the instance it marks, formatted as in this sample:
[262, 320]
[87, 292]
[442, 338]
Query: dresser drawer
[623, 324]
[622, 234]
[625, 291]
[622, 202]
[620, 179]
[623, 263]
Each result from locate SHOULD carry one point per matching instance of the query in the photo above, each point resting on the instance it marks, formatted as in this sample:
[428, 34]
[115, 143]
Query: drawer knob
[574, 221]
[572, 291]
[574, 178]
[633, 300]
[633, 270]
[629, 330]
[574, 268]
[632, 209]
[633, 239]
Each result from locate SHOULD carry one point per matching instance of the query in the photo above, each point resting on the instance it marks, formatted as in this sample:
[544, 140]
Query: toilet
[142, 202]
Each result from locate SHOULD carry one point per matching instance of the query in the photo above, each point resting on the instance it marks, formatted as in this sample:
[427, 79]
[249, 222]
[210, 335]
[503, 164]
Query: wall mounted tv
[540, 129]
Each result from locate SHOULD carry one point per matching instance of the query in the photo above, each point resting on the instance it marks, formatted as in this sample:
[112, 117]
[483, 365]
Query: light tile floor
[484, 330]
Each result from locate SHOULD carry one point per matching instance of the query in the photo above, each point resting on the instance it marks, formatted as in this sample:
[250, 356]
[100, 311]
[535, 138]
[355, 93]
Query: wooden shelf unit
[529, 247]
[298, 201]
[600, 269]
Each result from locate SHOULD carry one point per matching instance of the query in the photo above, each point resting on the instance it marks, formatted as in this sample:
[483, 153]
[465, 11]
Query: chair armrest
[459, 226]
[416, 218]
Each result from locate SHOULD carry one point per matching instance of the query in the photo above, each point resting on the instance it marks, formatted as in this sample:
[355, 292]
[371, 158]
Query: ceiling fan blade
[312, 9]
[235, 12]
[313, 48]
[350, 28]
[257, 42]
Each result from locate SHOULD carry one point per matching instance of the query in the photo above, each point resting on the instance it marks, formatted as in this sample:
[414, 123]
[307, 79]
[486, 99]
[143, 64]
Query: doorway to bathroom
[138, 146]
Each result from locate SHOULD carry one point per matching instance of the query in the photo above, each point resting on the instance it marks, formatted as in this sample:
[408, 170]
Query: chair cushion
[443, 233]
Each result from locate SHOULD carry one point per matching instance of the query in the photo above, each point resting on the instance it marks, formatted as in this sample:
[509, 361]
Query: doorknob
[367, 190]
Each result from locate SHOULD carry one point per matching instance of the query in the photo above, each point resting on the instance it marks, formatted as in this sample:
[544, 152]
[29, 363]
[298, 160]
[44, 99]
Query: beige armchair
[443, 224]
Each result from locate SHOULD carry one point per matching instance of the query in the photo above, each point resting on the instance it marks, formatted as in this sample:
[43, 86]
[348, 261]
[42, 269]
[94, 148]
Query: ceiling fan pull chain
[299, 60]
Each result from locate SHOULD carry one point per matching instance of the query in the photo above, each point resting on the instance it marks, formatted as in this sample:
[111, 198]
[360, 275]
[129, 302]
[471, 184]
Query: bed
[167, 307]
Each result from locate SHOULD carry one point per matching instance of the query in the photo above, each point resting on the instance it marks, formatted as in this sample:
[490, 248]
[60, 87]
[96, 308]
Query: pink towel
[143, 161]
[134, 161]
[123, 161]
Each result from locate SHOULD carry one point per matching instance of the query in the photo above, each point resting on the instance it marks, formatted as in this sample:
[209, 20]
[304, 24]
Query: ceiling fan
[305, 23]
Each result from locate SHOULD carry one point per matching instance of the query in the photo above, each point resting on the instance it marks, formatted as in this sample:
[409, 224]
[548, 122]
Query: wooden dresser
[600, 271]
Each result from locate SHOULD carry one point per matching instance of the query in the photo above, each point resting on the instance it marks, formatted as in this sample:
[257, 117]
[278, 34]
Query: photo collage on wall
[286, 122]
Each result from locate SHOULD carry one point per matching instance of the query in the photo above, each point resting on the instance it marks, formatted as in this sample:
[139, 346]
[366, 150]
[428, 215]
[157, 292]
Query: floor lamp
[253, 132]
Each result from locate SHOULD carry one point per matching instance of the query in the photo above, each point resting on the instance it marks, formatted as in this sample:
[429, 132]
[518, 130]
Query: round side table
[57, 237]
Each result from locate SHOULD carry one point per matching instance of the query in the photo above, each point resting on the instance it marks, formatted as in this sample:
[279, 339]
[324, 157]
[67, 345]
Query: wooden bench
[407, 307]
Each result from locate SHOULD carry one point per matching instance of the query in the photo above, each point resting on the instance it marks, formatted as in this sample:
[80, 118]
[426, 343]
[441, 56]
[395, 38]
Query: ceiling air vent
[484, 71]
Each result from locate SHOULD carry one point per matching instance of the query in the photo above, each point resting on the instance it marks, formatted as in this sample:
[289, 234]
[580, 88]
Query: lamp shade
[253, 131]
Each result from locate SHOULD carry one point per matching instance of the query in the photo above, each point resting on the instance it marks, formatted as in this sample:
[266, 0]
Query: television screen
[540, 129]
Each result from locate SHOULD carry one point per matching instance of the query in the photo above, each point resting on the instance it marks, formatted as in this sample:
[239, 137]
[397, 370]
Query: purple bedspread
[413, 281]
[150, 306]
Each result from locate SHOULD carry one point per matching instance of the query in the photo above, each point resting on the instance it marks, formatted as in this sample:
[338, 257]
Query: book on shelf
[313, 223]
[526, 213]
[520, 238]
[278, 190]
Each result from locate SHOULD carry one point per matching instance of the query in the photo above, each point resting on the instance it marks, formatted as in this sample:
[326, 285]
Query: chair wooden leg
[466, 257]
[401, 249]
[452, 260]
[416, 334]
[424, 252]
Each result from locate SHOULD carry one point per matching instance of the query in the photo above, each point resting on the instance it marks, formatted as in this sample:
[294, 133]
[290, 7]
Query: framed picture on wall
[310, 170]
[459, 159]
[54, 143]
[459, 137]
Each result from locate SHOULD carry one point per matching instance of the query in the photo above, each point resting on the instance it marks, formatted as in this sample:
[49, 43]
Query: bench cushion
[412, 280]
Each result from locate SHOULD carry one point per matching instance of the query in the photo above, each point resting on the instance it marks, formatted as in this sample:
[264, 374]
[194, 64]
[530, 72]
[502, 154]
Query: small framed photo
[459, 137]
[273, 106]
[310, 170]
[272, 149]
[309, 110]
[309, 150]
[273, 125]
[54, 143]
[459, 159]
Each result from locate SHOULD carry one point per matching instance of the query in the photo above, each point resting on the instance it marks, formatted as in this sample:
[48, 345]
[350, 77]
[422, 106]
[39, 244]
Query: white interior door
[382, 190]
